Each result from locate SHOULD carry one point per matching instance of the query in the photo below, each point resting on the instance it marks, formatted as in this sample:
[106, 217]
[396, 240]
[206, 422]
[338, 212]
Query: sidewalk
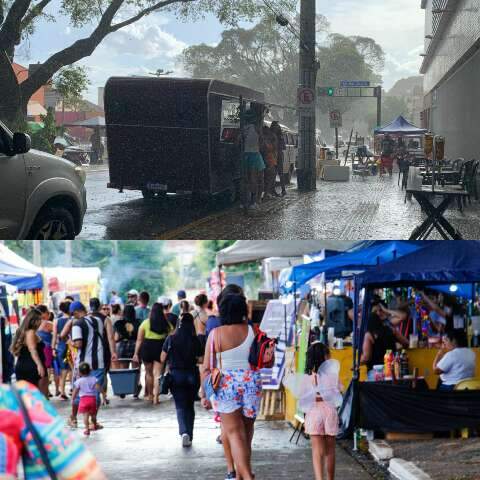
[141, 442]
[373, 208]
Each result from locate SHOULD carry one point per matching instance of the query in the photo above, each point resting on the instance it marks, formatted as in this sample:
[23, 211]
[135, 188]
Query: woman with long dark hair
[182, 351]
[238, 396]
[151, 336]
[28, 350]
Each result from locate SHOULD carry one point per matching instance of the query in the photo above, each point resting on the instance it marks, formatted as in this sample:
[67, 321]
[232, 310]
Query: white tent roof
[10, 258]
[251, 250]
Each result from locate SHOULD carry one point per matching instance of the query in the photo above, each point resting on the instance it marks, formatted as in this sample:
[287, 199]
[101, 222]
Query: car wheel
[53, 223]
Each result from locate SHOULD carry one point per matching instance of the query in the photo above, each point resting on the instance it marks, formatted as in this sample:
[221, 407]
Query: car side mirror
[21, 143]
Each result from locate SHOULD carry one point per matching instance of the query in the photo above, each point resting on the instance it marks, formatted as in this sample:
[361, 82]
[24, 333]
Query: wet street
[141, 442]
[374, 208]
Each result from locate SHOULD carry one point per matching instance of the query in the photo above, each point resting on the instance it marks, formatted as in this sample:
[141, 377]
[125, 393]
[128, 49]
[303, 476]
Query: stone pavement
[140, 441]
[373, 208]
[443, 458]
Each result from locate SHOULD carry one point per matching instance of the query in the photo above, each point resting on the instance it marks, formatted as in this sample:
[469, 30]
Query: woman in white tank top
[238, 396]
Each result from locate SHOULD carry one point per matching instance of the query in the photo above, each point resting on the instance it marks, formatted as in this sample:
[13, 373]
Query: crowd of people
[264, 158]
[181, 347]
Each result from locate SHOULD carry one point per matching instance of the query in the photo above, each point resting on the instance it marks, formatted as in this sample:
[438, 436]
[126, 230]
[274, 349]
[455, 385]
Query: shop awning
[400, 126]
[18, 272]
[379, 253]
[252, 250]
[439, 262]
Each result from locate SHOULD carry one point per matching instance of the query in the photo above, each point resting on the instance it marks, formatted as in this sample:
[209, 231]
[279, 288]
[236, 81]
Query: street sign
[350, 92]
[335, 119]
[354, 83]
[306, 100]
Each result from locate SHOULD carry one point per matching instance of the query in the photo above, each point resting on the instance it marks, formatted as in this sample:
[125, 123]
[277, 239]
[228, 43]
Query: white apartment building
[451, 69]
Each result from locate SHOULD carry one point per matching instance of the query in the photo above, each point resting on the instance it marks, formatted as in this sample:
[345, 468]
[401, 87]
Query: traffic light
[326, 91]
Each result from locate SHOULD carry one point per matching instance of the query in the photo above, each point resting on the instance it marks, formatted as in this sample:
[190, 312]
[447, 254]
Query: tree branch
[33, 13]
[84, 47]
[145, 12]
[11, 27]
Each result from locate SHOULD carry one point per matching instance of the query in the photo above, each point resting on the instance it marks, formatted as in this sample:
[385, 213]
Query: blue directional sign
[354, 83]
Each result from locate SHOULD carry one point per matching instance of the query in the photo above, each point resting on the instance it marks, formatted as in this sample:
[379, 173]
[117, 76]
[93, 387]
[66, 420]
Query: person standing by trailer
[277, 131]
[269, 154]
[253, 164]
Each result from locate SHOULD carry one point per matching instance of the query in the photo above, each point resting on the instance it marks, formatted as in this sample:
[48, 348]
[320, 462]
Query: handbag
[165, 383]
[214, 378]
[35, 435]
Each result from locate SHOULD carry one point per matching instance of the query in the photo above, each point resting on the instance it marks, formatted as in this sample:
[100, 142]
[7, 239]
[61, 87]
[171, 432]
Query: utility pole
[306, 173]
[68, 253]
[37, 253]
[378, 94]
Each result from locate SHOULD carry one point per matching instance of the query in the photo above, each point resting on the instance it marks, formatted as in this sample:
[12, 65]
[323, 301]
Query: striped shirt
[90, 330]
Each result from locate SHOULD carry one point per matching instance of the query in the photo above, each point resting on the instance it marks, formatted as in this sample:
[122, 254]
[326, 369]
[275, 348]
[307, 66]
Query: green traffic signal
[330, 91]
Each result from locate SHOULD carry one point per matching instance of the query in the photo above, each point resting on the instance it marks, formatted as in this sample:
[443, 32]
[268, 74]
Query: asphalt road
[373, 208]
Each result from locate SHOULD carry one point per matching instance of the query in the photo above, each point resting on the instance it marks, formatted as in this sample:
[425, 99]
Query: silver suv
[41, 196]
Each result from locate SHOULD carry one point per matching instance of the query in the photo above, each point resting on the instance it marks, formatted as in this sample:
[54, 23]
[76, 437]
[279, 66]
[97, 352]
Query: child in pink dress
[319, 398]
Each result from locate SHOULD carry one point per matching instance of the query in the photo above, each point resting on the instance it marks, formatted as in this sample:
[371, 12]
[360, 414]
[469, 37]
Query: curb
[403, 470]
[380, 450]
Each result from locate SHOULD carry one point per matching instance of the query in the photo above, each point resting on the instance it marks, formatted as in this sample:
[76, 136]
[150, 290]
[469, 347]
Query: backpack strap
[35, 435]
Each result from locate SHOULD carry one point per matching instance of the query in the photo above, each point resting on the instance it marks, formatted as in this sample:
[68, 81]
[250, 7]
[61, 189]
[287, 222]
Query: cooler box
[125, 380]
[336, 173]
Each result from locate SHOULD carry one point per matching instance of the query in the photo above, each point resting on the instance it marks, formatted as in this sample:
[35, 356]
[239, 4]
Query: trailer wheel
[149, 195]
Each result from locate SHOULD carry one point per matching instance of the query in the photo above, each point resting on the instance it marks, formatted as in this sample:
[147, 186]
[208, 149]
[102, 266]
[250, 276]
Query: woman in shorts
[238, 396]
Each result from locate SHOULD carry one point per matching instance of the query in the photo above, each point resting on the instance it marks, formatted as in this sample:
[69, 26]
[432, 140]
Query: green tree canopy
[70, 82]
[265, 57]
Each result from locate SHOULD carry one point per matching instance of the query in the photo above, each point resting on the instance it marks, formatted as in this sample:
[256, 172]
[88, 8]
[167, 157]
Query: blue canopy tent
[379, 253]
[400, 126]
[439, 265]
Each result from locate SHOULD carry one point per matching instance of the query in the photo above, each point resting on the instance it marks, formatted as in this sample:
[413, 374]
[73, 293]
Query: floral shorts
[239, 390]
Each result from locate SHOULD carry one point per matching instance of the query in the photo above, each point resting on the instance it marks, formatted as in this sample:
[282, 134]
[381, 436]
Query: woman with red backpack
[231, 387]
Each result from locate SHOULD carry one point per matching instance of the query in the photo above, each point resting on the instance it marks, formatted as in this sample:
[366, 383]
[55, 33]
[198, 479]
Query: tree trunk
[13, 110]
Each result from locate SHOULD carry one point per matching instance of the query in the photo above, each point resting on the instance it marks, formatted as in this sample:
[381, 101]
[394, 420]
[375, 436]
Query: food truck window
[230, 121]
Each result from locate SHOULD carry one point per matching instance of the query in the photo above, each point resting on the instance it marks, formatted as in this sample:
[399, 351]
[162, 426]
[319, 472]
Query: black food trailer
[176, 135]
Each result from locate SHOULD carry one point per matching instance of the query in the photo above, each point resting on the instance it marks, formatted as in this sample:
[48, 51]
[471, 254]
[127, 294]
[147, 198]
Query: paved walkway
[141, 442]
[373, 208]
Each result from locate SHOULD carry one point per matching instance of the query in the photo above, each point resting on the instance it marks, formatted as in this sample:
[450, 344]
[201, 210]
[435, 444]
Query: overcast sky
[155, 41]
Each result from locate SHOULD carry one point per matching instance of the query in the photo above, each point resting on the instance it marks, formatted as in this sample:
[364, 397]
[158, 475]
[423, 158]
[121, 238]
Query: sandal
[72, 422]
[96, 426]
[86, 433]
[63, 397]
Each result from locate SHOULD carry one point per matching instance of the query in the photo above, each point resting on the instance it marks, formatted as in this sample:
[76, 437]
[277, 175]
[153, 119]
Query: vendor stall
[440, 264]
[82, 283]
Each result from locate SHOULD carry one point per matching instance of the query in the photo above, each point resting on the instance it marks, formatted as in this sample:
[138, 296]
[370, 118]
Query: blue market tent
[380, 252]
[440, 262]
[400, 126]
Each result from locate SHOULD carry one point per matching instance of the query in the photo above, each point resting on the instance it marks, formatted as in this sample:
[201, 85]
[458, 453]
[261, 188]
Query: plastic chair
[468, 384]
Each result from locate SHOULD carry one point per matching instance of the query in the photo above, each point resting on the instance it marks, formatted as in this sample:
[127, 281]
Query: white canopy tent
[252, 250]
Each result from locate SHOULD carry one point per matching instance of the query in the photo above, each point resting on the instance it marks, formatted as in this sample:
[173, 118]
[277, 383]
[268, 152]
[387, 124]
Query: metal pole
[379, 106]
[68, 253]
[306, 173]
[336, 143]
